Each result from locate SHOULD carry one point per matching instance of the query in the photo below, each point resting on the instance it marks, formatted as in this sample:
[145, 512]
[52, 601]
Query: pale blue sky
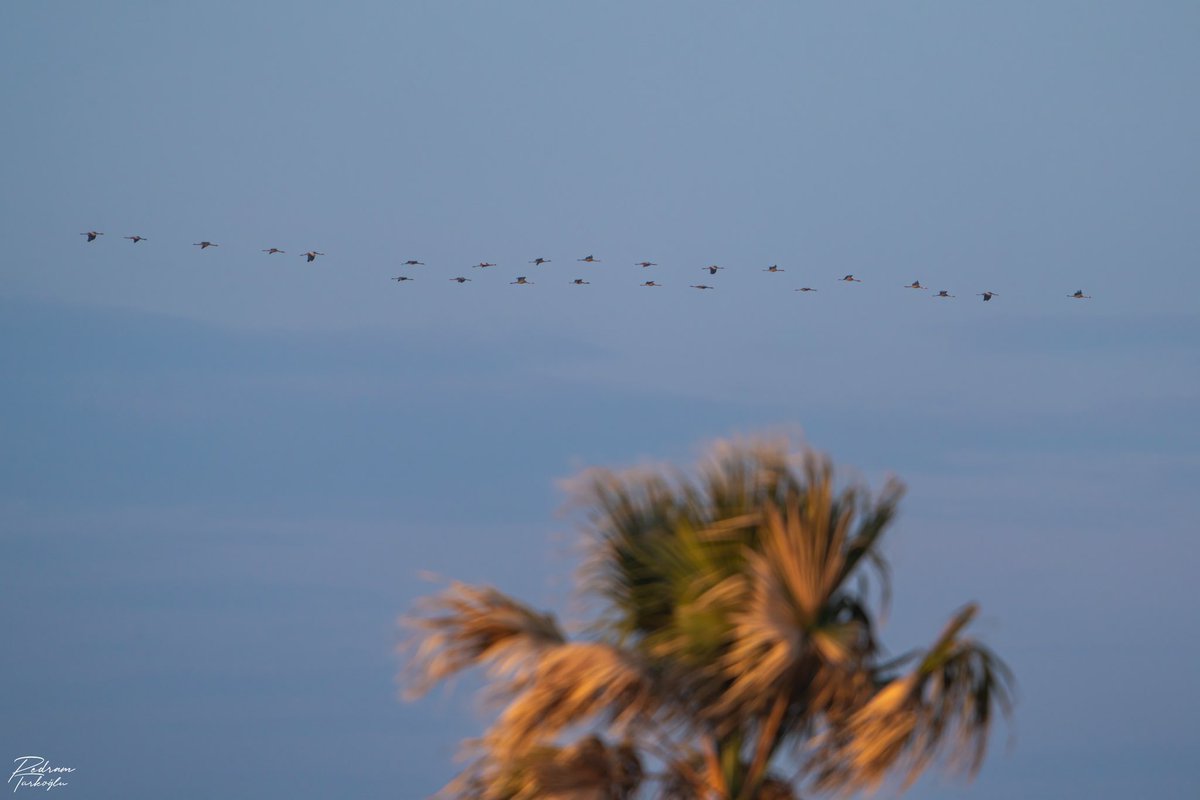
[222, 472]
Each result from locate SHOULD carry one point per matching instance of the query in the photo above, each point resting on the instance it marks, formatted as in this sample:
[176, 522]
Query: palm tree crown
[736, 655]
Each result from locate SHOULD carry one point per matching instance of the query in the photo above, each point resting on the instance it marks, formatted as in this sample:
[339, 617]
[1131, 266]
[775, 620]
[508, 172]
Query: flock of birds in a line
[523, 280]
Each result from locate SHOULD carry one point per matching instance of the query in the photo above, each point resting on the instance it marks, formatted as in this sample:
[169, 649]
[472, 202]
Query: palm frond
[589, 769]
[574, 684]
[469, 626]
[944, 706]
[797, 627]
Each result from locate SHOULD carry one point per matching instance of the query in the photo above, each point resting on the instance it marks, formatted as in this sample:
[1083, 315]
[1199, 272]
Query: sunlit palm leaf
[573, 684]
[469, 626]
[944, 706]
[797, 628]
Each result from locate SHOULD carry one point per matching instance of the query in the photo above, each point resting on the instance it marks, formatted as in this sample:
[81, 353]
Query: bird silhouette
[92, 235]
[580, 282]
[403, 278]
[943, 293]
[311, 255]
[1079, 295]
[806, 289]
[712, 269]
[851, 279]
[651, 283]
[412, 263]
[272, 251]
[645, 264]
[915, 285]
[774, 268]
[589, 260]
[205, 245]
[537, 262]
[702, 286]
[520, 281]
[987, 295]
[135, 238]
[460, 279]
[483, 264]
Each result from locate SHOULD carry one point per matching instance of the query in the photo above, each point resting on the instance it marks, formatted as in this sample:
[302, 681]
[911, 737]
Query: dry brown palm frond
[573, 684]
[776, 788]
[687, 776]
[589, 769]
[468, 626]
[943, 706]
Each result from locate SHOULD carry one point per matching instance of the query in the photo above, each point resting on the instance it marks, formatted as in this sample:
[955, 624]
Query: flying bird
[537, 262]
[135, 238]
[712, 269]
[272, 251]
[1079, 295]
[651, 283]
[403, 278]
[92, 235]
[589, 260]
[520, 281]
[645, 264]
[987, 295]
[806, 289]
[311, 255]
[580, 282]
[915, 285]
[943, 293]
[460, 279]
[851, 279]
[412, 263]
[482, 264]
[205, 245]
[702, 286]
[774, 268]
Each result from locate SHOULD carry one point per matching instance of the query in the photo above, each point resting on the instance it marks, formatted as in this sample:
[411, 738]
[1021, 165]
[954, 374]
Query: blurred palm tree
[735, 654]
